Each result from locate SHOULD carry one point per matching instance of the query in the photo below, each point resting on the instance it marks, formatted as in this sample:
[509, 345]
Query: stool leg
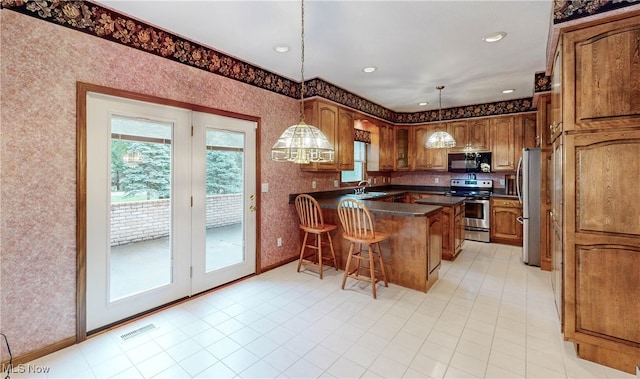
[319, 240]
[372, 271]
[346, 268]
[384, 275]
[304, 244]
[333, 254]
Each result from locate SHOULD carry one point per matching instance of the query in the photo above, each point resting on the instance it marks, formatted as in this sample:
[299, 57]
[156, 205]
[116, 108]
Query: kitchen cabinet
[337, 125]
[386, 147]
[452, 231]
[402, 155]
[555, 127]
[506, 143]
[470, 134]
[596, 174]
[435, 242]
[543, 121]
[528, 123]
[452, 219]
[428, 159]
[505, 227]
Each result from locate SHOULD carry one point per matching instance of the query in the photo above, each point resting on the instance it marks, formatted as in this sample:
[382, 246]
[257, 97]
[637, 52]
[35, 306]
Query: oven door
[476, 214]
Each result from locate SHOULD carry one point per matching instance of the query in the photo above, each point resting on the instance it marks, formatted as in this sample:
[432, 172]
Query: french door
[170, 205]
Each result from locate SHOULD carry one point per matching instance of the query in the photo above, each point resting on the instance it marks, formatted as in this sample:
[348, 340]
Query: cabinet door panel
[607, 283]
[345, 137]
[458, 131]
[503, 144]
[478, 134]
[612, 206]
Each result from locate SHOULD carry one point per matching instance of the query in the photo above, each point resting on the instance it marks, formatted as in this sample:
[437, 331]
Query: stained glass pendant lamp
[440, 140]
[302, 143]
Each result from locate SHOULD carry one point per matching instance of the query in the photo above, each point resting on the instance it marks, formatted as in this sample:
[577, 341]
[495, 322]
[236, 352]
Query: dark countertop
[442, 200]
[399, 209]
[390, 190]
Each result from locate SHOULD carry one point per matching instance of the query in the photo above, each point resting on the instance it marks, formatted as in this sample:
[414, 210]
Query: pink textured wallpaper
[41, 63]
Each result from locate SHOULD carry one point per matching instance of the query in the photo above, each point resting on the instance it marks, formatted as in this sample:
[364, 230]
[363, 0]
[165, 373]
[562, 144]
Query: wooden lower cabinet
[435, 243]
[505, 227]
[601, 233]
[452, 226]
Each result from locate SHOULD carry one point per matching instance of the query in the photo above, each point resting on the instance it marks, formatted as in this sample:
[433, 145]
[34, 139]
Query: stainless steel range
[476, 214]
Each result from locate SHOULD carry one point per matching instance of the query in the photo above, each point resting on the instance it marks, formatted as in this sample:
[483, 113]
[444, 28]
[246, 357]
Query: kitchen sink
[367, 195]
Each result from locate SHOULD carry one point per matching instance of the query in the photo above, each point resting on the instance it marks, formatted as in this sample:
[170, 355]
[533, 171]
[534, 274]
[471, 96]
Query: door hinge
[191, 130]
[192, 201]
[191, 272]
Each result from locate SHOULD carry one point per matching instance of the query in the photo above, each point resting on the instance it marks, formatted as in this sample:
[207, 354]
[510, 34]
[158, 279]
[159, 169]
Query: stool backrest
[309, 212]
[355, 219]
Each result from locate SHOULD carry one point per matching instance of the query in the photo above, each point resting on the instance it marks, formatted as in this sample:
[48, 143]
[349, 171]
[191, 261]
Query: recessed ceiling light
[423, 104]
[494, 37]
[509, 91]
[281, 48]
[369, 69]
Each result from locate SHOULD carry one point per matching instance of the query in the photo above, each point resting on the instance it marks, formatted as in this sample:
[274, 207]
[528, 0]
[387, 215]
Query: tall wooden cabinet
[597, 159]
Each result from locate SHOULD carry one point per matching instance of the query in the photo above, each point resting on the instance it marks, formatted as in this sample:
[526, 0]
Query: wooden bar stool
[359, 229]
[311, 222]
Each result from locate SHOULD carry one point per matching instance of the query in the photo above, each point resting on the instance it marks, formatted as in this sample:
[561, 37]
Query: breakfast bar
[412, 254]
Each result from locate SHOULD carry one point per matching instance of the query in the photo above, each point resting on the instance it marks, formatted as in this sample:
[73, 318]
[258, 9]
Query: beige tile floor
[489, 316]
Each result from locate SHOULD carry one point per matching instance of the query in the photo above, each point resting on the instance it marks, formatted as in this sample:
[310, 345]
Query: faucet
[362, 187]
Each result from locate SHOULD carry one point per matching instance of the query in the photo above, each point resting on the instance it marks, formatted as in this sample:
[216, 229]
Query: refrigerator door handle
[518, 180]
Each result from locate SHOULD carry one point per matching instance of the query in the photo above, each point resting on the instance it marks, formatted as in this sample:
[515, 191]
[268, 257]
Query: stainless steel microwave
[469, 162]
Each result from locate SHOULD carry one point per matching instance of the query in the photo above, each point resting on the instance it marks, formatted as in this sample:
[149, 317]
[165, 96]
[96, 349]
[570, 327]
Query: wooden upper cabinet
[472, 134]
[556, 125]
[529, 130]
[402, 151]
[344, 145]
[478, 134]
[386, 147]
[543, 121]
[428, 159]
[458, 130]
[337, 126]
[506, 143]
[602, 67]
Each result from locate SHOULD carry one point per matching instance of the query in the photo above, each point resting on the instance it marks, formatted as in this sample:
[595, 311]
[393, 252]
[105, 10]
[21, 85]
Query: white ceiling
[415, 45]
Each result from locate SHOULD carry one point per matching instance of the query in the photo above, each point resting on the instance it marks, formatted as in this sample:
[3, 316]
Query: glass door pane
[140, 230]
[224, 195]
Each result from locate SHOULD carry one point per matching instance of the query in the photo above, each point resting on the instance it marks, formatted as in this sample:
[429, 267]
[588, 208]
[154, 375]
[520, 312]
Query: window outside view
[141, 163]
[359, 165]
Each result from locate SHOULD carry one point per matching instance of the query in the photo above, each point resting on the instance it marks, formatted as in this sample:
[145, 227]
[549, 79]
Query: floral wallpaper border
[93, 19]
[542, 82]
[564, 10]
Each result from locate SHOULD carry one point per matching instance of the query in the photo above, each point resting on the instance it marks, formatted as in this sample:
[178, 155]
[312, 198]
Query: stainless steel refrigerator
[528, 187]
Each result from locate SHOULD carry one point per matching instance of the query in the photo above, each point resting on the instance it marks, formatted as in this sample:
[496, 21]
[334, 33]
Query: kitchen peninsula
[413, 252]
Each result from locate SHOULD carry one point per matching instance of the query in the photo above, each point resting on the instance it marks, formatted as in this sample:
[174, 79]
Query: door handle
[520, 220]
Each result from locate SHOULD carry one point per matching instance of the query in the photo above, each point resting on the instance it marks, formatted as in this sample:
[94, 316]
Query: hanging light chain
[302, 86]
[440, 88]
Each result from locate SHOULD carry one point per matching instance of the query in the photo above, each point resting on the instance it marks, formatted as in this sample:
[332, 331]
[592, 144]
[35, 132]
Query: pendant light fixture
[440, 140]
[302, 143]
